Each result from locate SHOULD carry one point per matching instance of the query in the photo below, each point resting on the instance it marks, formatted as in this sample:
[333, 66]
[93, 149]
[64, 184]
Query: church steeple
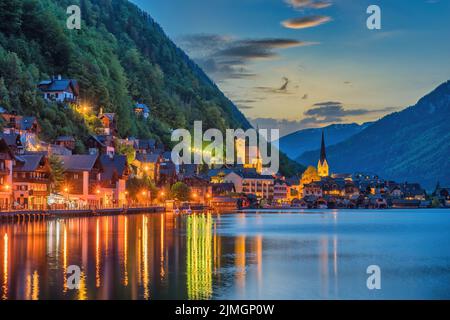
[323, 155]
[322, 166]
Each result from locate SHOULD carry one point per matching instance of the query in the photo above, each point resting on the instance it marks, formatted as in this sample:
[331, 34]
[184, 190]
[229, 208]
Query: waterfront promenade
[33, 215]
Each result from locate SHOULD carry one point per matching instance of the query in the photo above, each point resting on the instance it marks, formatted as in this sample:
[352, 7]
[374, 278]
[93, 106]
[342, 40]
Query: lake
[310, 254]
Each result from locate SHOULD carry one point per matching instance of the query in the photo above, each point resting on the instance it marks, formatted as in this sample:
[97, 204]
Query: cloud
[334, 112]
[224, 57]
[305, 22]
[284, 88]
[300, 4]
[319, 115]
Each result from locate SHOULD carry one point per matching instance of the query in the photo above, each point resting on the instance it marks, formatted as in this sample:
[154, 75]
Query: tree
[126, 150]
[136, 186]
[310, 175]
[56, 173]
[180, 191]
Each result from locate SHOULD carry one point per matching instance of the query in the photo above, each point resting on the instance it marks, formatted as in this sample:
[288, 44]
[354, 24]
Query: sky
[296, 64]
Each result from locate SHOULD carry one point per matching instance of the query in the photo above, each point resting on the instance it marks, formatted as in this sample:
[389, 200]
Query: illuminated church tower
[322, 166]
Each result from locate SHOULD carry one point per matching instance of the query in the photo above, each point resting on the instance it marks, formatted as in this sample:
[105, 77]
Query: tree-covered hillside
[119, 57]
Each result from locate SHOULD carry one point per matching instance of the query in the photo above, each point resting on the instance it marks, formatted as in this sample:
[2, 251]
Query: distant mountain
[295, 144]
[411, 145]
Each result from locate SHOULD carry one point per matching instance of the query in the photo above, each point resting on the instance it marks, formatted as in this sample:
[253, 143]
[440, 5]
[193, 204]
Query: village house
[249, 182]
[20, 124]
[6, 167]
[167, 170]
[145, 145]
[101, 144]
[201, 188]
[82, 180]
[313, 189]
[443, 195]
[59, 89]
[281, 189]
[109, 123]
[66, 141]
[148, 164]
[141, 110]
[55, 149]
[31, 182]
[14, 142]
[113, 177]
[407, 191]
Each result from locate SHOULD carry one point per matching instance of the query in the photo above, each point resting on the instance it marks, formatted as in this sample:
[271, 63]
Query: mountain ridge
[408, 145]
[296, 143]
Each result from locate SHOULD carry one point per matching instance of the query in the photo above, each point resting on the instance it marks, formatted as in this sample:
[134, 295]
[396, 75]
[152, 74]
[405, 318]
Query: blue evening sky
[337, 71]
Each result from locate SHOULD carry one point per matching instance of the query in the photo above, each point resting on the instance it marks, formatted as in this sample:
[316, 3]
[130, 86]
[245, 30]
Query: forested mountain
[119, 56]
[296, 143]
[411, 145]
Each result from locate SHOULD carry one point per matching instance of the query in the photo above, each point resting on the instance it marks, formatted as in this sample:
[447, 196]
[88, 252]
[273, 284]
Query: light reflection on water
[240, 256]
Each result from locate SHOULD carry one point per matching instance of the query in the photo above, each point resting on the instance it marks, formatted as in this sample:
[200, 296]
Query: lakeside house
[6, 167]
[250, 182]
[113, 176]
[31, 173]
[148, 164]
[82, 178]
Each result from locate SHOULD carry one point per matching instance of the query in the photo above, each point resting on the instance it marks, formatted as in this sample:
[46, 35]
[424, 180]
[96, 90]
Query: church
[322, 165]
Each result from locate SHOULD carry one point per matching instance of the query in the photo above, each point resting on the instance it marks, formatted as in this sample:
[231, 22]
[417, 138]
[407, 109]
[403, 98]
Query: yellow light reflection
[35, 286]
[240, 261]
[97, 255]
[145, 275]
[5, 267]
[199, 256]
[65, 258]
[125, 253]
[82, 290]
[162, 272]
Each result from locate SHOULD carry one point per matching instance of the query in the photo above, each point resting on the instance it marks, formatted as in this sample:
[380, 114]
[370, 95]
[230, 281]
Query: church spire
[322, 165]
[323, 155]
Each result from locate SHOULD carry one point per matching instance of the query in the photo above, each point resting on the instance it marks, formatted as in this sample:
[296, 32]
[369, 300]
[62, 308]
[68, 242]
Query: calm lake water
[255, 255]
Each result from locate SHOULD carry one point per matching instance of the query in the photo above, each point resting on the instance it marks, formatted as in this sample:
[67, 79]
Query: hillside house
[59, 89]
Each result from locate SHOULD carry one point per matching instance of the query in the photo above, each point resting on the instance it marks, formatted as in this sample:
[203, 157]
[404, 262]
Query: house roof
[142, 106]
[146, 143]
[27, 123]
[117, 163]
[109, 115]
[79, 162]
[148, 157]
[28, 162]
[57, 84]
[12, 139]
[65, 139]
